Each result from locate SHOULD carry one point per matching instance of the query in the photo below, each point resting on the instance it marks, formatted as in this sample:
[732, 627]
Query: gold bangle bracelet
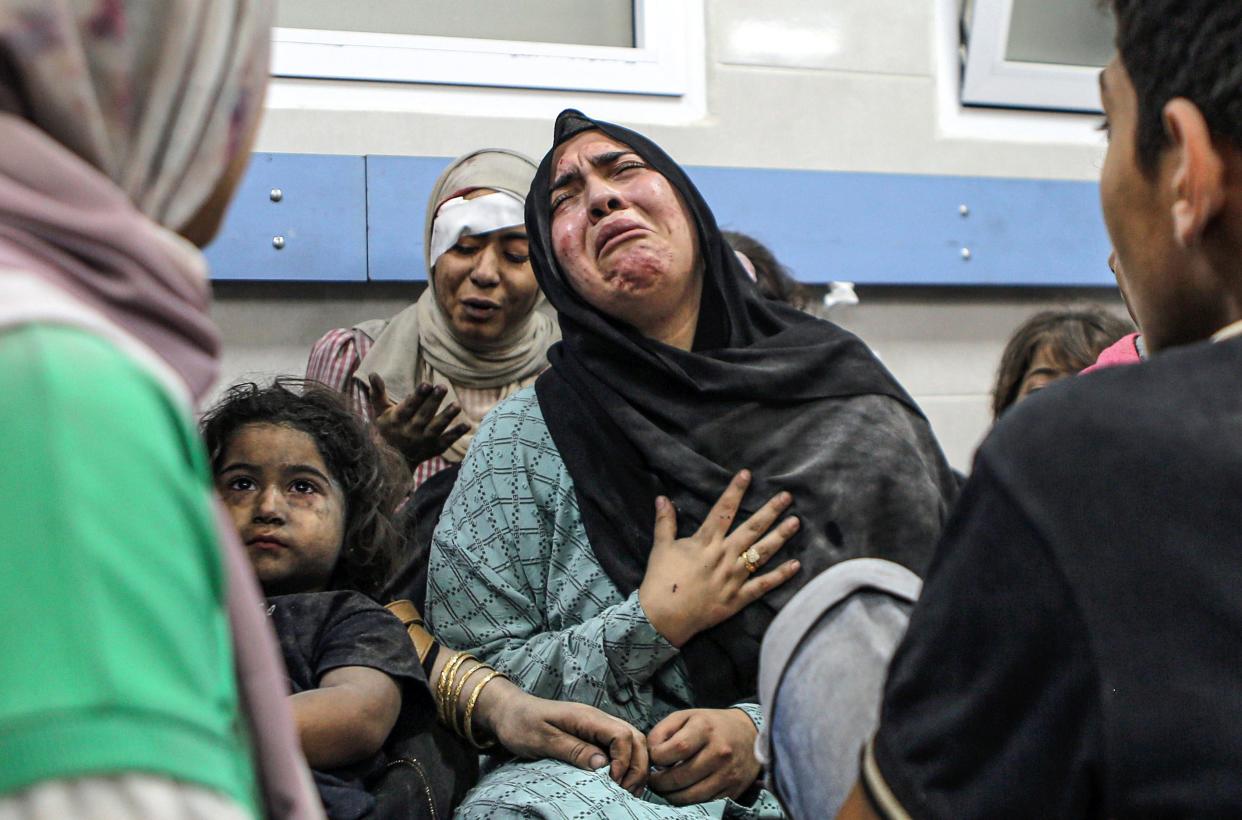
[450, 702]
[441, 682]
[440, 686]
[445, 683]
[459, 685]
[474, 699]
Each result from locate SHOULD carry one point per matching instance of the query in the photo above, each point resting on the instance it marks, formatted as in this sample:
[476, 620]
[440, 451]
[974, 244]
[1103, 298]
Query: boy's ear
[1198, 174]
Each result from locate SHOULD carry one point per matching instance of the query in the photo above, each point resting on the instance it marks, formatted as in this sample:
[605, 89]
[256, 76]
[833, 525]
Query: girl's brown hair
[370, 544]
[1074, 340]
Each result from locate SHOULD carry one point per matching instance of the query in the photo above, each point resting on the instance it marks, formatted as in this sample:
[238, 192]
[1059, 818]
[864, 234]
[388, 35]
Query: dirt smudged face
[286, 505]
[485, 283]
[623, 236]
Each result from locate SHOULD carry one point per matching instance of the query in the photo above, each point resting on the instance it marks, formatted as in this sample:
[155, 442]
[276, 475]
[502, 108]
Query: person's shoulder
[874, 409]
[79, 375]
[322, 612]
[346, 343]
[1124, 351]
[518, 415]
[513, 444]
[892, 432]
[524, 400]
[332, 600]
[37, 352]
[334, 339]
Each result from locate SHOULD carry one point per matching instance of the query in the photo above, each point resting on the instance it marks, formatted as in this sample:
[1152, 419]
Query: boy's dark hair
[773, 279]
[369, 546]
[1074, 339]
[1182, 48]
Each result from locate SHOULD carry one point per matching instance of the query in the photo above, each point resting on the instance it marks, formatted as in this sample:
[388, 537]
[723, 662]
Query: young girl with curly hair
[306, 486]
[306, 490]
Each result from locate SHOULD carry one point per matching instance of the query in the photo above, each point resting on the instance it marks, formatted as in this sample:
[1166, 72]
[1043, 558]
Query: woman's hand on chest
[694, 583]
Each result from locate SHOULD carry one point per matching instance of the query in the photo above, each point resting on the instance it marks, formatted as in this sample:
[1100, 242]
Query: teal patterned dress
[514, 580]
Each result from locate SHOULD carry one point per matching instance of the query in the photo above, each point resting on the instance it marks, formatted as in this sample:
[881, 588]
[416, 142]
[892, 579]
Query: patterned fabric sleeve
[513, 580]
[333, 361]
[754, 711]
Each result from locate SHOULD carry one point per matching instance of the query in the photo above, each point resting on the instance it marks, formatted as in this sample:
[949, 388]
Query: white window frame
[659, 65]
[990, 79]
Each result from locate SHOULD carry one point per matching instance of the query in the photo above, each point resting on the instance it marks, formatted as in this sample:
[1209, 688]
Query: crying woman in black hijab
[624, 533]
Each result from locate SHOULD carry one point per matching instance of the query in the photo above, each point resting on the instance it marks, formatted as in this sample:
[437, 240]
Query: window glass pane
[1066, 32]
[597, 23]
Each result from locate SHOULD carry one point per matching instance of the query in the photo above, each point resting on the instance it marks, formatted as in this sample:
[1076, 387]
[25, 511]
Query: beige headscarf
[118, 120]
[419, 343]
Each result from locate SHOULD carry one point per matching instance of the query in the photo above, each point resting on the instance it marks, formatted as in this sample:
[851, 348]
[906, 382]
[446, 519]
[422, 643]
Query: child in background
[305, 488]
[1048, 347]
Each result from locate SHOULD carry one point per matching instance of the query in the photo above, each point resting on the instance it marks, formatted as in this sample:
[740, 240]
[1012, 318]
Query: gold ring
[750, 559]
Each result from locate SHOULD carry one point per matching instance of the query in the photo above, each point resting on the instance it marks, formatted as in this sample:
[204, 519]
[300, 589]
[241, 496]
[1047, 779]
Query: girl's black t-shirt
[322, 631]
[1076, 649]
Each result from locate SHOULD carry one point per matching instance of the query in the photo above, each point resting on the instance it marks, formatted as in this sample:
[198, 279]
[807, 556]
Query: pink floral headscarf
[157, 95]
[118, 121]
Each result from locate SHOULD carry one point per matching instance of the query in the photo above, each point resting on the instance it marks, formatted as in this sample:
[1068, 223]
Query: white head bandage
[460, 217]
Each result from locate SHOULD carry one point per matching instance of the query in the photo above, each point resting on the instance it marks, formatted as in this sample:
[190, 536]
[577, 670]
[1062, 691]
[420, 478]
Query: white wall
[865, 85]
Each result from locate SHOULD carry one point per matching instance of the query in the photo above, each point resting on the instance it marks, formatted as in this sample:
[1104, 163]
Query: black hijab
[799, 401]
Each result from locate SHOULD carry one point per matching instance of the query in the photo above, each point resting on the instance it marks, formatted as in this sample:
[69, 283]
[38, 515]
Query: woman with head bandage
[428, 376]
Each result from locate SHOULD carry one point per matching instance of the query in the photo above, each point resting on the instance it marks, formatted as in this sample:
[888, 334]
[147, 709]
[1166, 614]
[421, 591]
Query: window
[1034, 53]
[621, 46]
[598, 23]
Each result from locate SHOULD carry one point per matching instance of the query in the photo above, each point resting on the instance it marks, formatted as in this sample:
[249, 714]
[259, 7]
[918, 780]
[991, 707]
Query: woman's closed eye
[628, 165]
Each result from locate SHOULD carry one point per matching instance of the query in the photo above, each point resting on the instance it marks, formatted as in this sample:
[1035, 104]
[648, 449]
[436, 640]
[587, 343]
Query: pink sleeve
[333, 362]
[1123, 351]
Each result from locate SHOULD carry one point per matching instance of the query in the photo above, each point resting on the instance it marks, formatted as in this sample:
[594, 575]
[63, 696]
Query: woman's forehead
[578, 151]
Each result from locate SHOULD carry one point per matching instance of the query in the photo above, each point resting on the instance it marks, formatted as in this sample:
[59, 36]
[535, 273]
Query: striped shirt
[336, 357]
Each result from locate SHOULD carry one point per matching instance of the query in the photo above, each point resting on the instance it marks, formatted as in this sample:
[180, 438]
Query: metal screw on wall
[278, 242]
[964, 210]
[966, 254]
[276, 195]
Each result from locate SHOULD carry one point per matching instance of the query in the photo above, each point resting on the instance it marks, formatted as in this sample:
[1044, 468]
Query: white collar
[1228, 332]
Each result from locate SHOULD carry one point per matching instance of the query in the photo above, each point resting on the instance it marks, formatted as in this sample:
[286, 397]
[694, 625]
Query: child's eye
[303, 487]
[628, 165]
[559, 200]
[517, 258]
[240, 483]
[464, 250]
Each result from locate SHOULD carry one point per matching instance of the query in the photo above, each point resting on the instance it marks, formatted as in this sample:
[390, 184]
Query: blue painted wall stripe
[397, 192]
[908, 229]
[344, 221]
[320, 216]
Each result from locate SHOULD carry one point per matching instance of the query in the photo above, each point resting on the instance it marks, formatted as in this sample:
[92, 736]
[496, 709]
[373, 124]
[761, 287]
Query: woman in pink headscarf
[139, 676]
